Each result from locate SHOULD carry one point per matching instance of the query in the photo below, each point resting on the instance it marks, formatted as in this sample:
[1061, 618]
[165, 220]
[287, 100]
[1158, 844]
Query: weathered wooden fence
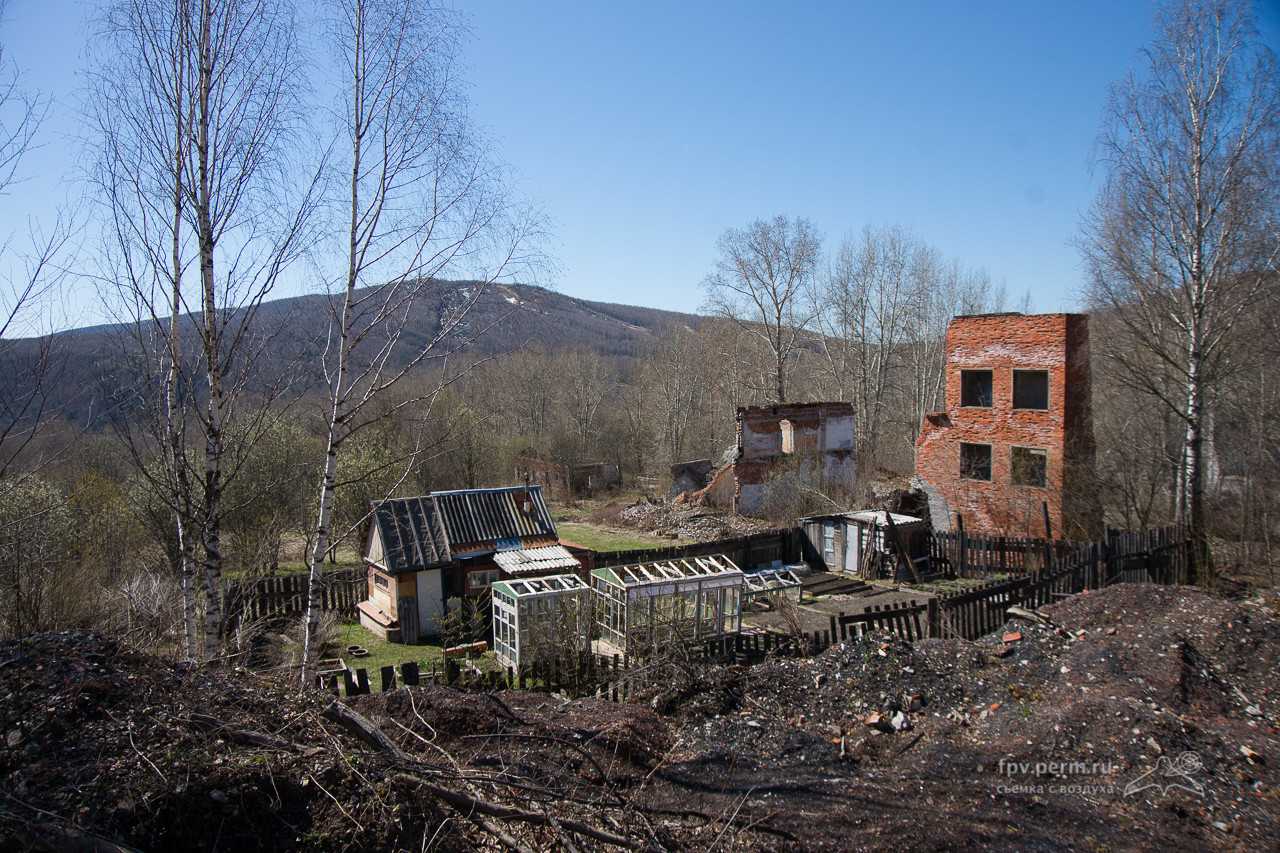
[1154, 556]
[286, 595]
[615, 677]
[1161, 552]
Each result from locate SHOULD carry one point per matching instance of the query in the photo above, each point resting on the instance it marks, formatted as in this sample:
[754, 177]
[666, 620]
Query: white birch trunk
[213, 355]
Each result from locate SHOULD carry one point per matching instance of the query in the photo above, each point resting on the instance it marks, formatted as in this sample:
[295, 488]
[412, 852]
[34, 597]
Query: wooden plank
[409, 673]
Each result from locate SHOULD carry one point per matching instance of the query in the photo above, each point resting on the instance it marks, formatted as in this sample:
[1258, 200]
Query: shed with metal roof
[423, 551]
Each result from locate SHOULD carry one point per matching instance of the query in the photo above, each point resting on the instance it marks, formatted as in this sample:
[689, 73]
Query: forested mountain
[95, 364]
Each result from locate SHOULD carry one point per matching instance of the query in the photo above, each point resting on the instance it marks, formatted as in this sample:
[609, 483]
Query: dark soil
[780, 755]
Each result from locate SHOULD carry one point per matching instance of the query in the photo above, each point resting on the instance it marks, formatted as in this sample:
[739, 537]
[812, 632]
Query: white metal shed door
[852, 543]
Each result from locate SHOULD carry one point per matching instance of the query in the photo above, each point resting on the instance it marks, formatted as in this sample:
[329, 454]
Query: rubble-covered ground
[685, 521]
[1139, 717]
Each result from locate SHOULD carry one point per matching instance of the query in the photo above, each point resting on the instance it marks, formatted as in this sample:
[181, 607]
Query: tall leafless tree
[1185, 234]
[860, 308]
[32, 269]
[759, 283]
[198, 111]
[140, 176]
[421, 199]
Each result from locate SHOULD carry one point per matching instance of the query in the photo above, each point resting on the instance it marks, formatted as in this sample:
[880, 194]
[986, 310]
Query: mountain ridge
[290, 332]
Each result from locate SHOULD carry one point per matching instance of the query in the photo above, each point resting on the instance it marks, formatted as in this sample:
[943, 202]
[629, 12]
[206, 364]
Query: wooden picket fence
[617, 677]
[286, 595]
[1160, 553]
[967, 556]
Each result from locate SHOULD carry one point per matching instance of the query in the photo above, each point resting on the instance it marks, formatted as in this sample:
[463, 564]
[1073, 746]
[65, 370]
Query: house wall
[822, 457]
[1002, 343]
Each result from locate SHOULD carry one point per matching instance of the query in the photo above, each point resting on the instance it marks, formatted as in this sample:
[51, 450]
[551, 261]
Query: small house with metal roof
[422, 551]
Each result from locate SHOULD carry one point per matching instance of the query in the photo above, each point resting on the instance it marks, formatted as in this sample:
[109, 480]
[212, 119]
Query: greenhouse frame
[639, 607]
[769, 583]
[539, 618]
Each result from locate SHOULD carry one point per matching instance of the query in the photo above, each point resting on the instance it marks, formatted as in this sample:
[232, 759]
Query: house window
[1028, 467]
[828, 542]
[788, 436]
[477, 581]
[975, 461]
[381, 581]
[975, 388]
[1031, 389]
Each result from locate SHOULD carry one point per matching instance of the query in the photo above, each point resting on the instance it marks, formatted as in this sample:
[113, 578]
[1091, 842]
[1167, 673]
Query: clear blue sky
[645, 129]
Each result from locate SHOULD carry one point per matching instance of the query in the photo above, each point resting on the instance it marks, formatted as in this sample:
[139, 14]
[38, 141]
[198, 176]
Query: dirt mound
[103, 748]
[101, 743]
[1047, 731]
[1134, 718]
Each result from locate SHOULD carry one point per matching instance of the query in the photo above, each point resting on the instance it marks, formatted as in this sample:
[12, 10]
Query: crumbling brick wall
[1057, 344]
[809, 441]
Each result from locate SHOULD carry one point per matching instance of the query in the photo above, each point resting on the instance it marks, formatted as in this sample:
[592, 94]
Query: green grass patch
[599, 538]
[382, 653]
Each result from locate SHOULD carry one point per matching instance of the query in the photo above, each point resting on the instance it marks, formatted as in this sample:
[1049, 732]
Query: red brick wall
[1056, 343]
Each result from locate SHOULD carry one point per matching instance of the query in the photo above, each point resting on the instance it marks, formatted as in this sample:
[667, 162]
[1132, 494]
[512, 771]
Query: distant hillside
[288, 333]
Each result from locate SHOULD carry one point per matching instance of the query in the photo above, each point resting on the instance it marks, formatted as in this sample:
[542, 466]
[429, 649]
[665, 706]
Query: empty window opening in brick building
[788, 436]
[1028, 466]
[975, 461]
[975, 388]
[1031, 389]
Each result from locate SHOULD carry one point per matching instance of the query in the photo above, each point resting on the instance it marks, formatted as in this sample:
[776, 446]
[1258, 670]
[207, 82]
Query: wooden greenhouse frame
[642, 606]
[540, 618]
[771, 583]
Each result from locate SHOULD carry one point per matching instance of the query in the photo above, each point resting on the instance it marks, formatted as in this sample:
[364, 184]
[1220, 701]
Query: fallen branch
[359, 725]
[604, 777]
[1029, 616]
[250, 737]
[465, 804]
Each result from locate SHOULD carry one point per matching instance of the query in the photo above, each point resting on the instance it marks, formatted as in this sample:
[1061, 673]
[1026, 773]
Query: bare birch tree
[674, 374]
[759, 283]
[1185, 236]
[140, 109]
[197, 110]
[30, 273]
[860, 307]
[421, 200]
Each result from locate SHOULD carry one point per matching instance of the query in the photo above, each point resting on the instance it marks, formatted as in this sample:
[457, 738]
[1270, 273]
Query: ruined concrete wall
[690, 476]
[1055, 343]
[818, 452]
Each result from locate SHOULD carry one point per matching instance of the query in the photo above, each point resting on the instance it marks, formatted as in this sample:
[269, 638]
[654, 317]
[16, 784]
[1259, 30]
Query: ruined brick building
[808, 445]
[1017, 429]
